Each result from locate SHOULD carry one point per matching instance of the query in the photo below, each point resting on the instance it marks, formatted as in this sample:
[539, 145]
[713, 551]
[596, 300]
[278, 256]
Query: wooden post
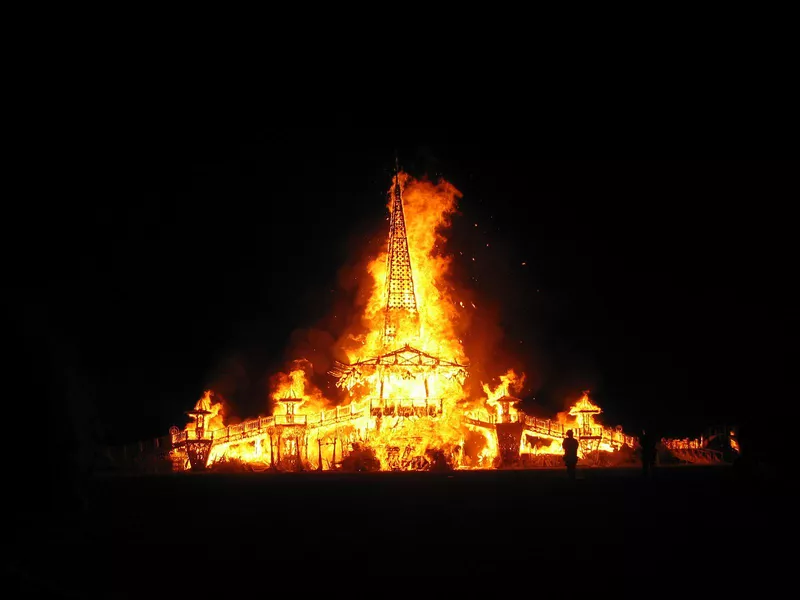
[271, 453]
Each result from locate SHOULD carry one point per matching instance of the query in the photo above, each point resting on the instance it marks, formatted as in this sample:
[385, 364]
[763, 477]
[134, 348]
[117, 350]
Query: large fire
[407, 405]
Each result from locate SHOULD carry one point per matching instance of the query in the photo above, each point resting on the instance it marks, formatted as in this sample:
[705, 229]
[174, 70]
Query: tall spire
[400, 295]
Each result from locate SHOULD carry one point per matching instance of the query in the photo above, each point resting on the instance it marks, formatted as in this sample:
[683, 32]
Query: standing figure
[570, 446]
[648, 449]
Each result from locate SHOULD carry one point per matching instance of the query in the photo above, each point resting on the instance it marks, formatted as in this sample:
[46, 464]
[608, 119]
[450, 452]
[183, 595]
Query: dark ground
[143, 535]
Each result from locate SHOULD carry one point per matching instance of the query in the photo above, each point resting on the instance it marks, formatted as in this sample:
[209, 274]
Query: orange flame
[509, 383]
[406, 406]
[428, 208]
[295, 387]
[212, 421]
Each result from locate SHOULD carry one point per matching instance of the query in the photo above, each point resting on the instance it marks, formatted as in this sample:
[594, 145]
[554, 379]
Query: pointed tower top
[400, 295]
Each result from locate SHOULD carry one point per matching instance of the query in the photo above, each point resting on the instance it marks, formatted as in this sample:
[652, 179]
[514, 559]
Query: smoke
[356, 285]
[483, 345]
[490, 341]
[314, 345]
[326, 341]
[229, 378]
[232, 384]
[297, 382]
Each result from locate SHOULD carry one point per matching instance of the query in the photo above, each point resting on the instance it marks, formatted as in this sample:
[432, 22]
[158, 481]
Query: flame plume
[407, 405]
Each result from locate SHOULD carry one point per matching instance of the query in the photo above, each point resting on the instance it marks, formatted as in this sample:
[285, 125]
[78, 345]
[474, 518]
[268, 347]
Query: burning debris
[407, 403]
[718, 444]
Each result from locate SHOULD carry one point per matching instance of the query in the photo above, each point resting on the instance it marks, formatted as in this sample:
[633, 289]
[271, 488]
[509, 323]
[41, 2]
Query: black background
[175, 257]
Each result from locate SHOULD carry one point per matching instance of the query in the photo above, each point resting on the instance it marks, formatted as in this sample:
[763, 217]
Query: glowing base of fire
[434, 435]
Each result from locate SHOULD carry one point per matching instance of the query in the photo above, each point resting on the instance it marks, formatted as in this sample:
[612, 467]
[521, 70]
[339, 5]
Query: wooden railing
[554, 429]
[260, 426]
[613, 437]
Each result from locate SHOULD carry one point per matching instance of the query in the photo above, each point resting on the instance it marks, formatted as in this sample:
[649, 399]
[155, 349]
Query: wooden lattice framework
[406, 360]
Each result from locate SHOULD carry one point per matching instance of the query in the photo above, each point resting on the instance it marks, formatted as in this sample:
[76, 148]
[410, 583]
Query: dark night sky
[202, 256]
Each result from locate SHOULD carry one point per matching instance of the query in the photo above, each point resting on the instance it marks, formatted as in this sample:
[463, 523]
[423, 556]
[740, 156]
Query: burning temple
[407, 407]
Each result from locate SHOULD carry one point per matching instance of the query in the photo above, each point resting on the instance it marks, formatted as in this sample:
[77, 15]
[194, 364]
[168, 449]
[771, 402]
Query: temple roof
[405, 357]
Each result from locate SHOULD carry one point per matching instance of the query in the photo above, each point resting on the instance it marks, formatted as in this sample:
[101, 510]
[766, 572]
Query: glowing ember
[734, 442]
[407, 407]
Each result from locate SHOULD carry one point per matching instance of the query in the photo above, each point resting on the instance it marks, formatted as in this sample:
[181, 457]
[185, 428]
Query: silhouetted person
[570, 446]
[648, 449]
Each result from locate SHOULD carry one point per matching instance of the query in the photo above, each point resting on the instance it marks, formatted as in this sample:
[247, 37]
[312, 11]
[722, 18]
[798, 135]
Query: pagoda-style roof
[509, 399]
[585, 406]
[402, 357]
[291, 398]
